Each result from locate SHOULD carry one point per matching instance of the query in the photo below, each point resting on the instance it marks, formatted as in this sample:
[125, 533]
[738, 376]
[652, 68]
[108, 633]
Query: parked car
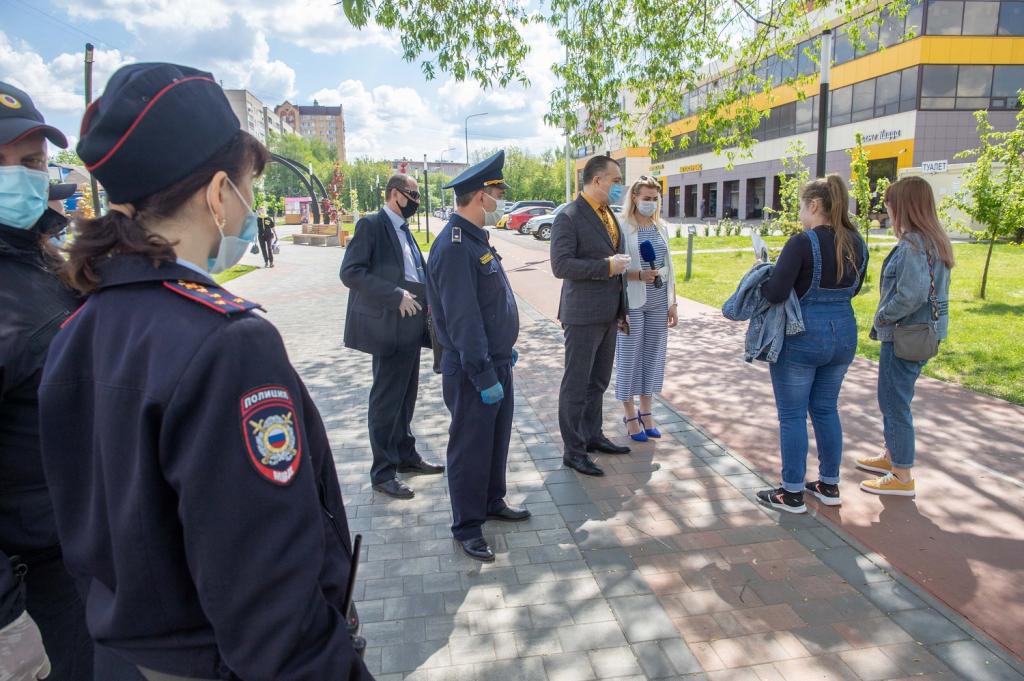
[502, 221]
[540, 227]
[521, 204]
[520, 216]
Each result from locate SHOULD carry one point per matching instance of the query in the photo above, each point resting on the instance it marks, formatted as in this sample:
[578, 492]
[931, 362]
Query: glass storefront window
[868, 39]
[805, 116]
[840, 106]
[891, 31]
[887, 94]
[915, 18]
[974, 87]
[806, 62]
[908, 89]
[1006, 82]
[843, 48]
[981, 18]
[945, 17]
[863, 100]
[1011, 18]
[938, 87]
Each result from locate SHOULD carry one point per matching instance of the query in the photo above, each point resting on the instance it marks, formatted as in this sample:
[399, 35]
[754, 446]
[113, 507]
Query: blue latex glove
[493, 395]
[515, 356]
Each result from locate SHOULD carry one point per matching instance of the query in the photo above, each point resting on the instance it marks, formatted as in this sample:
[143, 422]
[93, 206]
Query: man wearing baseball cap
[40, 610]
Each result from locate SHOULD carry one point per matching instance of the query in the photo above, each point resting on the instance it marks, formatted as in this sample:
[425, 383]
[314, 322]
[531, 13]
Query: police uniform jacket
[193, 484]
[34, 304]
[473, 308]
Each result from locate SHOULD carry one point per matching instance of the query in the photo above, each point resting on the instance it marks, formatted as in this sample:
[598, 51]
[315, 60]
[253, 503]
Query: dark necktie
[413, 250]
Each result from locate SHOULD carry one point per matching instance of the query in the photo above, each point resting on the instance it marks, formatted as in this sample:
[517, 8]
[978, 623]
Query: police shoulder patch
[486, 258]
[213, 297]
[271, 433]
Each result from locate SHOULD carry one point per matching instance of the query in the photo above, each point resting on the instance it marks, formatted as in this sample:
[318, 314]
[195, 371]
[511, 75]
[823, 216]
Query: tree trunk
[988, 259]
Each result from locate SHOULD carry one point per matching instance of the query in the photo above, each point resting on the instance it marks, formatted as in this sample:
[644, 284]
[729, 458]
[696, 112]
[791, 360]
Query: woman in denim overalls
[825, 264]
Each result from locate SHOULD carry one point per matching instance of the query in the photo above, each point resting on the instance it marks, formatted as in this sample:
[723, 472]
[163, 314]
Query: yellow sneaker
[889, 484]
[875, 464]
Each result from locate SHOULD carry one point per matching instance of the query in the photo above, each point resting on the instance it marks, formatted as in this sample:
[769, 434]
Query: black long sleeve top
[795, 266]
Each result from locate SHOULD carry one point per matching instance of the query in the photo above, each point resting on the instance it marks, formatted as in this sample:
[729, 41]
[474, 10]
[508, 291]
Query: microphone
[648, 255]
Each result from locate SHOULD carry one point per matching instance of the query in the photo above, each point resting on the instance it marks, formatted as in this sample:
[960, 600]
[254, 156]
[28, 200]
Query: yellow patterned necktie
[609, 225]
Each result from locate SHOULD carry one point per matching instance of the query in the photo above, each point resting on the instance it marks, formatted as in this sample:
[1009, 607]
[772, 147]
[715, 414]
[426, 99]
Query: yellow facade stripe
[631, 152]
[931, 49]
[902, 150]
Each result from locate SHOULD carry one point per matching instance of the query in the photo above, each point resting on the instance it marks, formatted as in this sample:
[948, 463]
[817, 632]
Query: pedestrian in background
[588, 255]
[476, 321]
[651, 292]
[36, 589]
[914, 293]
[192, 480]
[825, 265]
[267, 236]
[384, 271]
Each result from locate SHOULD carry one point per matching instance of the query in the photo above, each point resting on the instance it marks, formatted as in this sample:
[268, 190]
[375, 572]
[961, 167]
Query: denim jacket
[769, 323]
[905, 287]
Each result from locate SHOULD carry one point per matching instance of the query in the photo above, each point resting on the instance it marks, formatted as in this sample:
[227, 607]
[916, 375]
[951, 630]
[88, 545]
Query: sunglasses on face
[415, 196]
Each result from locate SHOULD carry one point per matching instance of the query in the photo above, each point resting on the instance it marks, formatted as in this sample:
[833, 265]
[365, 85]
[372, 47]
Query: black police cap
[487, 173]
[152, 126]
[19, 117]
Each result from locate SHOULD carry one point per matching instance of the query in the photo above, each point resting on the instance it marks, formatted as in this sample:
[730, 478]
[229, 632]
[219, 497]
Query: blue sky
[294, 49]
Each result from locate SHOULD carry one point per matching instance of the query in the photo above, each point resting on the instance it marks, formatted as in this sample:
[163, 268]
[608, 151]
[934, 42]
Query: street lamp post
[826, 63]
[426, 185]
[442, 186]
[466, 128]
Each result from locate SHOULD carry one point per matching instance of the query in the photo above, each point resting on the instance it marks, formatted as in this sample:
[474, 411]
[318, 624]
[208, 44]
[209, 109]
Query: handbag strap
[932, 298]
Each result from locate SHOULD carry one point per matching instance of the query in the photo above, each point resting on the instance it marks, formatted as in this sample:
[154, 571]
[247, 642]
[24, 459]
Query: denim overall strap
[816, 253]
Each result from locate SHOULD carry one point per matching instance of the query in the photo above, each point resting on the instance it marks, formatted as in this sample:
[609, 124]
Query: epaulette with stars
[212, 297]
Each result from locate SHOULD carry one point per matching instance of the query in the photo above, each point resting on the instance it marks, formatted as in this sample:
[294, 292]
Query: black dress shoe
[510, 513]
[583, 464]
[478, 549]
[422, 467]
[395, 488]
[603, 444]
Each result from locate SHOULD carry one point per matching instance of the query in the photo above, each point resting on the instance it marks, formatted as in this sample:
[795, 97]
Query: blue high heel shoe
[649, 432]
[637, 437]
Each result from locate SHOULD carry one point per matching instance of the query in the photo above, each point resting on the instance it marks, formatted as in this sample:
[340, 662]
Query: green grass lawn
[985, 350]
[775, 243]
[233, 273]
[421, 239]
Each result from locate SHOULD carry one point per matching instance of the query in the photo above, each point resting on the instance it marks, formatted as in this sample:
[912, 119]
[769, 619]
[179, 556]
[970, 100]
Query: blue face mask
[23, 196]
[615, 193]
[58, 240]
[232, 248]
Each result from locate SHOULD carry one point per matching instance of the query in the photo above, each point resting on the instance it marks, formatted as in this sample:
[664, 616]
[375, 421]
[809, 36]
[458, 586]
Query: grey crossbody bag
[919, 342]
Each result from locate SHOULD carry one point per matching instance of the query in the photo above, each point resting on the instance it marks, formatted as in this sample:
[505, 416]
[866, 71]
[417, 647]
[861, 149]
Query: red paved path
[962, 538]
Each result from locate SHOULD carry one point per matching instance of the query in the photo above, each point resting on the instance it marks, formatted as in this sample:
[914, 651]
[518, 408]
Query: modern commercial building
[449, 168]
[317, 122]
[254, 116]
[911, 100]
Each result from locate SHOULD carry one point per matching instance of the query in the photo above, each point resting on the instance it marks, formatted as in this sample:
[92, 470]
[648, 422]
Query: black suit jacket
[374, 272]
[580, 247]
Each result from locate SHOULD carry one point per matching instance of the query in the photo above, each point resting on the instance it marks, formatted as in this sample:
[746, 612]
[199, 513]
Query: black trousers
[54, 603]
[266, 249]
[396, 382]
[589, 355]
[477, 450]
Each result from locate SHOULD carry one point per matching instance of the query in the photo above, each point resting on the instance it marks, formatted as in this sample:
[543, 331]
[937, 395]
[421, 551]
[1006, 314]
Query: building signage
[883, 135]
[934, 166]
[657, 168]
[692, 168]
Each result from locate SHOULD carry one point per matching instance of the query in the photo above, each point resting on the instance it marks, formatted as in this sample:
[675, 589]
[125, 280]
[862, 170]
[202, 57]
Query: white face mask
[492, 217]
[647, 208]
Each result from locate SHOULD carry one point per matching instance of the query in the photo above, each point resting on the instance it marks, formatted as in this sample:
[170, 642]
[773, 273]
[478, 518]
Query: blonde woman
[914, 290]
[651, 292]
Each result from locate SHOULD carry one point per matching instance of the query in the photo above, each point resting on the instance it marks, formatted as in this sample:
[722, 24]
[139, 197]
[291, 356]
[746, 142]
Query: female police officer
[193, 483]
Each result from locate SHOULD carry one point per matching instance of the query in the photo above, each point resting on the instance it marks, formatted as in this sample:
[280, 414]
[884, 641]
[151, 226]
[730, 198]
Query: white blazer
[636, 291]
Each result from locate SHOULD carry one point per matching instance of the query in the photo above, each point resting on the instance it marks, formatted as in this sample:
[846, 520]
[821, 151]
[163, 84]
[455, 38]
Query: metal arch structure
[301, 172]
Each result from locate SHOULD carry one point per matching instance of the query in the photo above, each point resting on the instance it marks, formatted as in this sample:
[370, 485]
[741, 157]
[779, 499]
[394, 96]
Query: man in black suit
[588, 255]
[384, 272]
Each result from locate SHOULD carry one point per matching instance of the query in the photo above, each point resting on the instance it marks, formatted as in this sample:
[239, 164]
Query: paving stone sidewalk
[664, 569]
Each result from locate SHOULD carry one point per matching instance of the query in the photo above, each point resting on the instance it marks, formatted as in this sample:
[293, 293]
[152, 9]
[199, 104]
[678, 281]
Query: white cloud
[56, 85]
[317, 25]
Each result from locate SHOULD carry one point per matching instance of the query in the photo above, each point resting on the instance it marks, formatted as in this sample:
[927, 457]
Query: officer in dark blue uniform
[192, 480]
[476, 322]
[35, 587]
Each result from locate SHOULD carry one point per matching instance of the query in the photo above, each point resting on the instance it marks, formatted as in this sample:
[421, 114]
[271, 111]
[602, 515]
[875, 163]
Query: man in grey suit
[587, 254]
